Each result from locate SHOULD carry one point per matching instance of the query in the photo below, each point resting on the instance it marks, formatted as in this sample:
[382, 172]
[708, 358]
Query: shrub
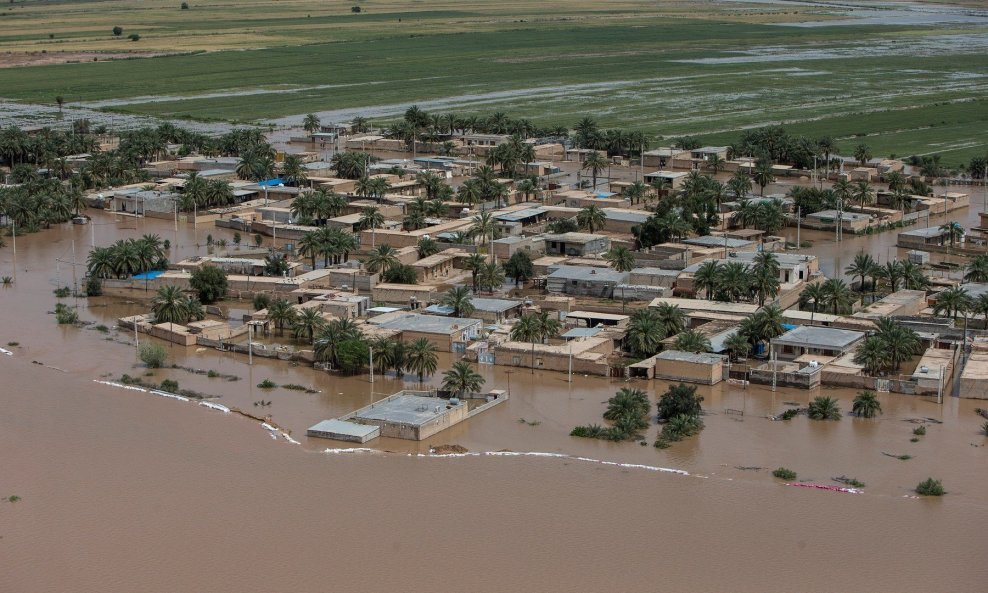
[790, 414]
[102, 329]
[919, 430]
[930, 487]
[212, 374]
[65, 315]
[210, 283]
[6, 281]
[677, 400]
[258, 239]
[169, 385]
[134, 37]
[590, 431]
[153, 355]
[680, 427]
[261, 301]
[267, 384]
[185, 6]
[237, 238]
[355, 9]
[824, 408]
[94, 287]
[63, 292]
[118, 31]
[784, 473]
[295, 387]
[984, 428]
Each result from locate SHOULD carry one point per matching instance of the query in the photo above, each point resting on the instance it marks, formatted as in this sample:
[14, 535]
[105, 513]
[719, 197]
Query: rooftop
[589, 274]
[581, 332]
[833, 214]
[428, 324]
[574, 237]
[713, 241]
[494, 305]
[826, 337]
[624, 215]
[680, 356]
[414, 410]
[520, 215]
[925, 233]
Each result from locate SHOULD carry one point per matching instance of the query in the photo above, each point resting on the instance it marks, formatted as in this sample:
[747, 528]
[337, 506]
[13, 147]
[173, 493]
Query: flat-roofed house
[672, 180]
[576, 244]
[447, 334]
[922, 237]
[689, 367]
[815, 340]
[622, 220]
[666, 157]
[584, 281]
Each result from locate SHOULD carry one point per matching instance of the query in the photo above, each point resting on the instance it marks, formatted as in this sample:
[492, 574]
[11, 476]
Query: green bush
[212, 374]
[63, 292]
[65, 315]
[267, 384]
[784, 473]
[919, 430]
[102, 329]
[930, 487]
[134, 37]
[210, 284]
[169, 385]
[153, 355]
[790, 414]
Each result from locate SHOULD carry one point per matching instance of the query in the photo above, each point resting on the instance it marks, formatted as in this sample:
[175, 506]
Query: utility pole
[250, 344]
[371, 350]
[799, 219]
[570, 372]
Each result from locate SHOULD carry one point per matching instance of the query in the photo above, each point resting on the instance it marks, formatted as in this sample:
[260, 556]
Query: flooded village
[685, 310]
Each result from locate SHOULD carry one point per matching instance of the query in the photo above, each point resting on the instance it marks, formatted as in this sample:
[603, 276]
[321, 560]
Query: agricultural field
[906, 82]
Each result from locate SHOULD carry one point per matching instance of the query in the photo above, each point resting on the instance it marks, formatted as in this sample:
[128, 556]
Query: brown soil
[36, 58]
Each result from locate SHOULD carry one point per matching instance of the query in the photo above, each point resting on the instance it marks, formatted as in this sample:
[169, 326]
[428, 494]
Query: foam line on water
[5, 351]
[217, 407]
[353, 450]
[652, 468]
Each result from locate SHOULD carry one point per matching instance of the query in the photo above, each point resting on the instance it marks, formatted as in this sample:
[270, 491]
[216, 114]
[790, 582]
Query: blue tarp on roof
[271, 182]
[788, 327]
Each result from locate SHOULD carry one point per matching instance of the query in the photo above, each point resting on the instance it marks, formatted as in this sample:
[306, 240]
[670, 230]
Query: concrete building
[672, 180]
[854, 222]
[923, 237]
[815, 341]
[622, 220]
[405, 294]
[703, 368]
[576, 244]
[665, 158]
[722, 242]
[505, 247]
[434, 267]
[583, 281]
[899, 303]
[447, 334]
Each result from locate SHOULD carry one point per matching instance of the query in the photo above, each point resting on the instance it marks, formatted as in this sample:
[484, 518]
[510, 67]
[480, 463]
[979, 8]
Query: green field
[669, 69]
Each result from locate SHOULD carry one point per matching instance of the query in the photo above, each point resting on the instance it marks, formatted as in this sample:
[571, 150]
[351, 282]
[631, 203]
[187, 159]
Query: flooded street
[125, 491]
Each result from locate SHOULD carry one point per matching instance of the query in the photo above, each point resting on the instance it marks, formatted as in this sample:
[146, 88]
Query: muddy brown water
[123, 490]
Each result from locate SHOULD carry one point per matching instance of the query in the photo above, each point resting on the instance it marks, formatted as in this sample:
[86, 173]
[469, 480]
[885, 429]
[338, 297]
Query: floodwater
[122, 490]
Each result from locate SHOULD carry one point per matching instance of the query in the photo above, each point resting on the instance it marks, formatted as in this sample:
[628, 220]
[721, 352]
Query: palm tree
[671, 317]
[952, 301]
[862, 153]
[381, 259]
[99, 263]
[308, 246]
[460, 299]
[844, 191]
[737, 345]
[871, 354]
[421, 358]
[824, 408]
[169, 305]
[645, 333]
[813, 294]
[739, 184]
[474, 262]
[953, 229]
[282, 314]
[311, 123]
[977, 269]
[527, 329]
[635, 192]
[307, 324]
[838, 296]
[866, 404]
[490, 276]
[763, 175]
[827, 146]
[549, 327]
[591, 218]
[901, 343]
[461, 379]
[765, 276]
[426, 246]
[293, 170]
[692, 341]
[892, 273]
[595, 163]
[734, 282]
[715, 163]
[484, 226]
[863, 193]
[860, 267]
[621, 259]
[370, 218]
[707, 277]
[331, 336]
